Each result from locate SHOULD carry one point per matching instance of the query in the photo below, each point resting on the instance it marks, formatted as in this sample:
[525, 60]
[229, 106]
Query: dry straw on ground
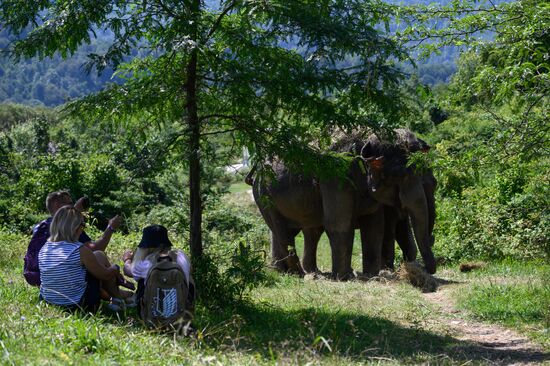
[417, 276]
[470, 266]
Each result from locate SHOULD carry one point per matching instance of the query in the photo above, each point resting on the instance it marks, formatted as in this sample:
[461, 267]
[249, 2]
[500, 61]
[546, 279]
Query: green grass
[239, 187]
[514, 294]
[286, 321]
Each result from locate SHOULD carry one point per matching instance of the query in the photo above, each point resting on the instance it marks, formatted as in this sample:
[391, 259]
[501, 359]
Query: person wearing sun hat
[137, 264]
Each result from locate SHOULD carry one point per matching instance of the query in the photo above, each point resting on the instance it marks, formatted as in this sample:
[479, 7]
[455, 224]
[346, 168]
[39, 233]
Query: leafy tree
[507, 65]
[493, 152]
[268, 71]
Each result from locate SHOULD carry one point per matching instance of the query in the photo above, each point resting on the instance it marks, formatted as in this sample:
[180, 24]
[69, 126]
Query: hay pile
[417, 276]
[470, 266]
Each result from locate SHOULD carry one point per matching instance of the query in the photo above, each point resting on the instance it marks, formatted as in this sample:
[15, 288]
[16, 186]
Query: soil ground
[493, 343]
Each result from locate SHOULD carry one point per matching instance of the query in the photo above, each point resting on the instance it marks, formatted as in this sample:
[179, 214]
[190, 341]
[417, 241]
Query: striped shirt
[63, 275]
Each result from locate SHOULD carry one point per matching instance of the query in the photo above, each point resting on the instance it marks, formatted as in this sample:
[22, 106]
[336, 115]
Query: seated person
[155, 239]
[72, 275]
[41, 233]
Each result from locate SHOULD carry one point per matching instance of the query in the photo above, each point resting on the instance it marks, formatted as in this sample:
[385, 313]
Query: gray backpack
[163, 303]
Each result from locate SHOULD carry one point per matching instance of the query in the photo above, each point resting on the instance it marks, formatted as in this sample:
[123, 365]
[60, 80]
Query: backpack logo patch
[165, 303]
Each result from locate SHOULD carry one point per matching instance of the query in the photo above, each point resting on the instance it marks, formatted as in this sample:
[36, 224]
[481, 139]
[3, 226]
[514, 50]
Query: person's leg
[111, 286]
[91, 299]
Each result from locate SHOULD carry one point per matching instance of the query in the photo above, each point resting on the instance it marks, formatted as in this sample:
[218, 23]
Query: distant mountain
[52, 82]
[48, 82]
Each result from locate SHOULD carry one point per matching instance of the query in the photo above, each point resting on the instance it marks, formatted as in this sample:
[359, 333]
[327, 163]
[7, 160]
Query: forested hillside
[52, 82]
[48, 82]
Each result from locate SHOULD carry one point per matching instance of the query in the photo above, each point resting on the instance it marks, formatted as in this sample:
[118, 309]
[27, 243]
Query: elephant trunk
[414, 201]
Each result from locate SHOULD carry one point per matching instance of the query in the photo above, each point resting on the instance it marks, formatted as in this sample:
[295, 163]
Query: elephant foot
[289, 264]
[346, 276]
[389, 266]
[383, 276]
[309, 269]
[430, 265]
[371, 270]
[290, 270]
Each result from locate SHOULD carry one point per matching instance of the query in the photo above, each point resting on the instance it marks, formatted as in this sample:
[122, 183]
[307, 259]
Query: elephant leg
[311, 240]
[338, 210]
[371, 241]
[405, 239]
[282, 237]
[279, 253]
[429, 184]
[341, 245]
[388, 243]
[285, 259]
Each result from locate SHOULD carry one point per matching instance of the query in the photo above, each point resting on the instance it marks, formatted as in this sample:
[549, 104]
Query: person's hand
[127, 255]
[115, 222]
[82, 204]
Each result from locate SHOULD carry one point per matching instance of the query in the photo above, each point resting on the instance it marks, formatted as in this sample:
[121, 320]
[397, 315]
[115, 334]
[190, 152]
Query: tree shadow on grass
[273, 333]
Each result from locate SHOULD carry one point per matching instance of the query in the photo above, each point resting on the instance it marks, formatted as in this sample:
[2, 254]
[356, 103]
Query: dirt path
[483, 342]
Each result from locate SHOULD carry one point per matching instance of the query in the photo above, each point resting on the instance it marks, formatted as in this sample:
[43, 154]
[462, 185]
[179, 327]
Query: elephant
[415, 198]
[290, 202]
[397, 226]
[298, 202]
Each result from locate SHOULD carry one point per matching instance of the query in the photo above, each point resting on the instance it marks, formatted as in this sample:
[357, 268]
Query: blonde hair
[54, 198]
[65, 224]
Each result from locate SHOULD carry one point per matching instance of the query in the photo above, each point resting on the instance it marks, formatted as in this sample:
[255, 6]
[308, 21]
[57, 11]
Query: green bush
[489, 207]
[227, 271]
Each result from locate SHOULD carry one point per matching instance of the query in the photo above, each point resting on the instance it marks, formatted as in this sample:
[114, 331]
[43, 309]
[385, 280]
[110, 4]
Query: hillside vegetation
[153, 149]
[54, 81]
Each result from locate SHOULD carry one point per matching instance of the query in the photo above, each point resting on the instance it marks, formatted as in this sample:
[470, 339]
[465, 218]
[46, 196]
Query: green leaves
[256, 58]
[276, 73]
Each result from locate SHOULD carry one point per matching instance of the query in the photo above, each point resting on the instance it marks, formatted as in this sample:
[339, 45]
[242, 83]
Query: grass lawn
[287, 321]
[513, 294]
[239, 187]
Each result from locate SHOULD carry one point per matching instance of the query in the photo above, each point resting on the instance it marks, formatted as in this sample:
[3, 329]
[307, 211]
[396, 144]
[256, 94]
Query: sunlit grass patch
[239, 187]
[513, 294]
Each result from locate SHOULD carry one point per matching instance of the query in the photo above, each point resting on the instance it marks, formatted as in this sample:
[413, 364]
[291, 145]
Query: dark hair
[55, 197]
[155, 236]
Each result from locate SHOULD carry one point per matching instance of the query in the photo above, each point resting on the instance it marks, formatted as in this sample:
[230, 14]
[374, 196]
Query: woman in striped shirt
[71, 273]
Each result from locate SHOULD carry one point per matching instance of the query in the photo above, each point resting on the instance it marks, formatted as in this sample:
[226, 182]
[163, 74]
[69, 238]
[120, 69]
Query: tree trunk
[194, 158]
[191, 86]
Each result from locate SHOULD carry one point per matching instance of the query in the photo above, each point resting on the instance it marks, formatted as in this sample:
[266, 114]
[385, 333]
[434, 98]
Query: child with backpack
[166, 291]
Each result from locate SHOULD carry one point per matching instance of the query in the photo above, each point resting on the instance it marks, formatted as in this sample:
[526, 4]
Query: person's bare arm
[101, 243]
[91, 263]
[127, 258]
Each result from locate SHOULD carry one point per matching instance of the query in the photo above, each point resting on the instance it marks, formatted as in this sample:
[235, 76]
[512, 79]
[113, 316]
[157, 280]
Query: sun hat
[155, 236]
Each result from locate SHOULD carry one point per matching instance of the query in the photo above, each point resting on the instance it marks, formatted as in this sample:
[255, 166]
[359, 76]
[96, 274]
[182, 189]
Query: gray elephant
[397, 228]
[293, 202]
[414, 198]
